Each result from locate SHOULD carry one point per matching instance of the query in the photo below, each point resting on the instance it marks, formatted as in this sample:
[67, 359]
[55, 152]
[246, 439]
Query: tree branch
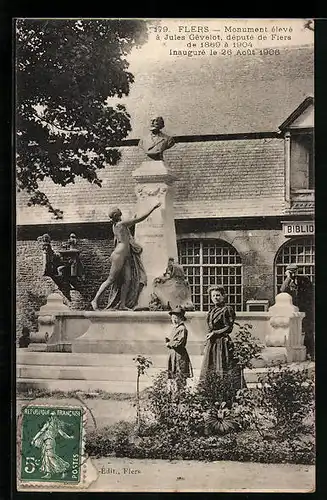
[56, 126]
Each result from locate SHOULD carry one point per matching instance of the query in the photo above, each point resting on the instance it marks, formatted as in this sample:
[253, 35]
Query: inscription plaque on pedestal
[157, 234]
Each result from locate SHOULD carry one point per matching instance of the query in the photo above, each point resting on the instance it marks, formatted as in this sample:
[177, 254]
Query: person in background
[300, 288]
[179, 364]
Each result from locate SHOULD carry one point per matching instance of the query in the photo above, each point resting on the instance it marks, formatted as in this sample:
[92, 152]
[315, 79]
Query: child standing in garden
[179, 364]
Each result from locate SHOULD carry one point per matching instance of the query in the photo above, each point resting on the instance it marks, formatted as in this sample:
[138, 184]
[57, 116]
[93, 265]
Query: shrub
[216, 389]
[178, 412]
[250, 448]
[246, 348]
[243, 447]
[288, 395]
[249, 412]
[99, 443]
[115, 439]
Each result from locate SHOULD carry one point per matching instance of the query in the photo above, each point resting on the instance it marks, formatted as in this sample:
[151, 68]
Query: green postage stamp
[50, 445]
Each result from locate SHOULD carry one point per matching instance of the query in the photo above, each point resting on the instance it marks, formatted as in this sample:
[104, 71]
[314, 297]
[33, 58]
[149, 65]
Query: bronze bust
[156, 142]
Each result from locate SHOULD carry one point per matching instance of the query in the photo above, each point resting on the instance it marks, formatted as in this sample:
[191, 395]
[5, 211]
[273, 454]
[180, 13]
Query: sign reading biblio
[299, 228]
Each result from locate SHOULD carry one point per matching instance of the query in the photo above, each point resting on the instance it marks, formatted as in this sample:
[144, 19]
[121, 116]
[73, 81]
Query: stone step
[88, 359]
[119, 387]
[146, 347]
[112, 373]
[108, 372]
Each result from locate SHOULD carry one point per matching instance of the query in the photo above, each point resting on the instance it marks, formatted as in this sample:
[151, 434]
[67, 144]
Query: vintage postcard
[165, 265]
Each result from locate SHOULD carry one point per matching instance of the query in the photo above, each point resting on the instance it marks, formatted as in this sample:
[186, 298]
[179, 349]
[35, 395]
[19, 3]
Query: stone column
[157, 234]
[286, 329]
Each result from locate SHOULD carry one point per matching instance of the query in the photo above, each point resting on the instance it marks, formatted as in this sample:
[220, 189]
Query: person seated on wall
[172, 288]
[300, 288]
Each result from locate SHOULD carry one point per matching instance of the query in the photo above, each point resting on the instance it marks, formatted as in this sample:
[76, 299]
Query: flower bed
[272, 424]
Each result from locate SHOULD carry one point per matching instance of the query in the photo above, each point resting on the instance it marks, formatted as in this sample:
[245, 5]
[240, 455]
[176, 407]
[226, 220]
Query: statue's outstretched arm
[141, 218]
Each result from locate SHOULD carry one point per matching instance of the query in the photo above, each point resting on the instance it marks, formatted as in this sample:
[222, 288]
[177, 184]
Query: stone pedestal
[285, 327]
[156, 235]
[131, 332]
[48, 322]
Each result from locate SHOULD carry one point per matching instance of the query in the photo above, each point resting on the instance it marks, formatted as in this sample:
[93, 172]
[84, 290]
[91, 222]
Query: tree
[65, 72]
[142, 364]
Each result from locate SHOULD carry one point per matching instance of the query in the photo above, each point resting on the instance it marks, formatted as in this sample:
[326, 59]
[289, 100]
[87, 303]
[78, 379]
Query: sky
[173, 85]
[156, 49]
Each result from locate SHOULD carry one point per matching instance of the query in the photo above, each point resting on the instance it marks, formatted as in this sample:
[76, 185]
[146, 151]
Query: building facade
[244, 209]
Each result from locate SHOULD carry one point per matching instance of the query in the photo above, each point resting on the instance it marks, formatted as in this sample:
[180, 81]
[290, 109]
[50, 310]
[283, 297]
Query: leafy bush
[243, 447]
[248, 410]
[288, 395]
[217, 389]
[178, 412]
[246, 346]
[114, 439]
[250, 448]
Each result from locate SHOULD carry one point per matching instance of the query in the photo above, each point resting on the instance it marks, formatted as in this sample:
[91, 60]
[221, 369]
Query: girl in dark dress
[219, 350]
[179, 364]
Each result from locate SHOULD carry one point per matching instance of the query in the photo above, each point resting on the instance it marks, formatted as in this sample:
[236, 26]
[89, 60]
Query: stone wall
[32, 287]
[257, 249]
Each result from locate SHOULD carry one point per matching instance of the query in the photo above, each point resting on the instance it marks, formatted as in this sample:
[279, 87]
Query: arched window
[212, 262]
[300, 251]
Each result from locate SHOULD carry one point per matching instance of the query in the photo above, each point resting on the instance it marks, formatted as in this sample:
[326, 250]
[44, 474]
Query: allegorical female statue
[156, 142]
[127, 275]
[51, 463]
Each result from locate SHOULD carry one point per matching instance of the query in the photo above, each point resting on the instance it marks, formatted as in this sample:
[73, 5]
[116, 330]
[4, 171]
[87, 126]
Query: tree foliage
[65, 71]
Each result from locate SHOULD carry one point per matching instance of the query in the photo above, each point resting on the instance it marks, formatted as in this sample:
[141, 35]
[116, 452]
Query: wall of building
[32, 287]
[257, 249]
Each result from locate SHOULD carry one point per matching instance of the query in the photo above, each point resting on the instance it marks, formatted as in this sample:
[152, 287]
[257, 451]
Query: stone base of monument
[94, 350]
[113, 373]
[122, 332]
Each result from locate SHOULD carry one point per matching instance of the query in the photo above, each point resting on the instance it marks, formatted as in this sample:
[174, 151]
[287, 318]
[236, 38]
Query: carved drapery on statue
[63, 267]
[171, 289]
[138, 279]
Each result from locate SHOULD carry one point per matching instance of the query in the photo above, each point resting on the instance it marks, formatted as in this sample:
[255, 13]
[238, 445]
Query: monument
[127, 325]
[127, 276]
[134, 264]
[131, 324]
[172, 289]
[154, 181]
[64, 267]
